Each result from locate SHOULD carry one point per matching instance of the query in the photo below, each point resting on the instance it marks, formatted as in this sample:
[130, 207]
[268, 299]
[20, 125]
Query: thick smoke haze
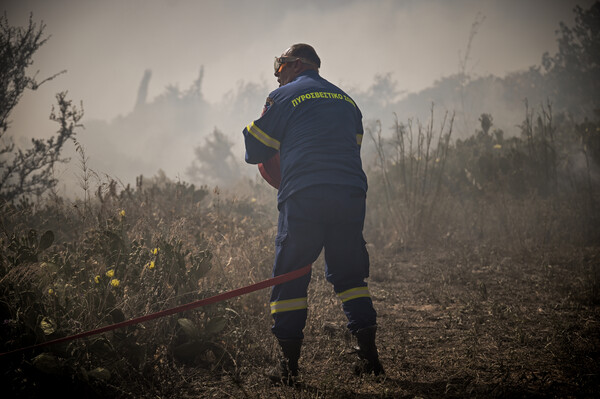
[210, 63]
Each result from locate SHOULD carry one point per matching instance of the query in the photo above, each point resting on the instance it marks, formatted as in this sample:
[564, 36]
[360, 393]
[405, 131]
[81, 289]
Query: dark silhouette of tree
[30, 171]
[574, 71]
[143, 89]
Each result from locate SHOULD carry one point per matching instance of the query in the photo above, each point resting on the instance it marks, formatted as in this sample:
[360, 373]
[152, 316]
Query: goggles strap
[281, 61]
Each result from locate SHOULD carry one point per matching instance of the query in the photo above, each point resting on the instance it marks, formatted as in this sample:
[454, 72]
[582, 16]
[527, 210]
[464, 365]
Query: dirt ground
[458, 323]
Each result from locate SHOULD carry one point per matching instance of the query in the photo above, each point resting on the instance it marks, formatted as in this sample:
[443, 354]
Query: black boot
[367, 352]
[287, 369]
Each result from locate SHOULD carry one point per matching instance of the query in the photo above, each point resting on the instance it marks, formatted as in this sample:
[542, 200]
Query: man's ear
[297, 66]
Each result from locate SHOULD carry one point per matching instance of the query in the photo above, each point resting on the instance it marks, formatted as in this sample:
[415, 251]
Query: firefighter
[307, 144]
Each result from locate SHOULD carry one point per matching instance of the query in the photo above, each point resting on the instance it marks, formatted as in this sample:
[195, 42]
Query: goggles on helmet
[280, 61]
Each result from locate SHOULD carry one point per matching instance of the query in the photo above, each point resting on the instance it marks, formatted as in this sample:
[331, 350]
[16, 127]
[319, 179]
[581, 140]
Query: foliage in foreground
[61, 274]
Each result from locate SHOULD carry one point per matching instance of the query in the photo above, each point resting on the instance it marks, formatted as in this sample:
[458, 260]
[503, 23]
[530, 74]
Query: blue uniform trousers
[317, 217]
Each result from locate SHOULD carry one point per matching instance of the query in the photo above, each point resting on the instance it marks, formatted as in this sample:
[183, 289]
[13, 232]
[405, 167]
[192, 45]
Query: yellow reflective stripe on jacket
[289, 304]
[359, 139]
[262, 136]
[354, 293]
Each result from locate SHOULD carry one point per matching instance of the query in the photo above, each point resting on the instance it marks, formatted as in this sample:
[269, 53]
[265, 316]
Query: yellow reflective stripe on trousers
[353, 293]
[262, 136]
[289, 304]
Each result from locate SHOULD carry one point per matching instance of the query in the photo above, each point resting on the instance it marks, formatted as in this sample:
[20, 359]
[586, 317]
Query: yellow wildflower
[151, 265]
[114, 282]
[155, 251]
[110, 273]
[497, 146]
[253, 200]
[122, 213]
[50, 291]
[97, 279]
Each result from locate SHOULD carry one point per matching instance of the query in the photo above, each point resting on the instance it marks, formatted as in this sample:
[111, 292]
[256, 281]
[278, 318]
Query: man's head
[295, 60]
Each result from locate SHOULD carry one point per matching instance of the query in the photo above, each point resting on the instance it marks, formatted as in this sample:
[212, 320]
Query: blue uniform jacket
[317, 129]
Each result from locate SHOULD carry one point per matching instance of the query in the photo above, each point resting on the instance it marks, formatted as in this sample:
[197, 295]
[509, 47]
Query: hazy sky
[106, 45]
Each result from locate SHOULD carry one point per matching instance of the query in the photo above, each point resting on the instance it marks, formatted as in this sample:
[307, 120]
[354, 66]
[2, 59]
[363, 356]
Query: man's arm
[262, 137]
[259, 145]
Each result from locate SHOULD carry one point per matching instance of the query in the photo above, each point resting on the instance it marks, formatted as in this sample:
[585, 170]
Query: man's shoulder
[304, 84]
[290, 90]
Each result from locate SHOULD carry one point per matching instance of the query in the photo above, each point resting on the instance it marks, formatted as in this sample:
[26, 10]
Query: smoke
[387, 55]
[168, 133]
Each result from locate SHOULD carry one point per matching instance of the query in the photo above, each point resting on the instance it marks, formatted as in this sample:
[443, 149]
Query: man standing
[315, 130]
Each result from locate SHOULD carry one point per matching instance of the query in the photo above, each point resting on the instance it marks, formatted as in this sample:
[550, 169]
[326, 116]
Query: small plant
[412, 168]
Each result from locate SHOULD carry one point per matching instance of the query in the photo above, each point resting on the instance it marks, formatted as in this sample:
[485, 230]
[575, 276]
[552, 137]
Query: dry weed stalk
[412, 180]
